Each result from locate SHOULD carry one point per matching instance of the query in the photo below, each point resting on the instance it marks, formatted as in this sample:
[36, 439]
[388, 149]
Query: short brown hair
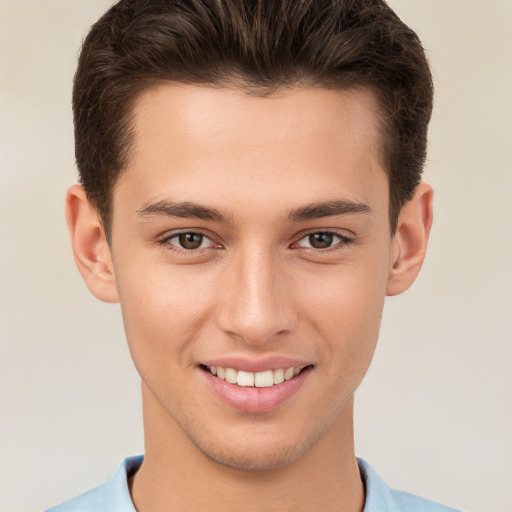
[257, 45]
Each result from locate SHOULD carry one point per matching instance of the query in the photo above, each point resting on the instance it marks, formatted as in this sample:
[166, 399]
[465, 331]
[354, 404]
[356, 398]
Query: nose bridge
[257, 305]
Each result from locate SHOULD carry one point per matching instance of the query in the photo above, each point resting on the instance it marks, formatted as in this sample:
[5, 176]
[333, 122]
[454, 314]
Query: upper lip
[256, 365]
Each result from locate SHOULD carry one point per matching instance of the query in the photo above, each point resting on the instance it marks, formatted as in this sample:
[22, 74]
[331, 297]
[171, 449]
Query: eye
[189, 241]
[323, 240]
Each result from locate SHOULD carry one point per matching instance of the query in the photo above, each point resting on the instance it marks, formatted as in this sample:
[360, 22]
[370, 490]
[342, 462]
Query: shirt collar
[379, 497]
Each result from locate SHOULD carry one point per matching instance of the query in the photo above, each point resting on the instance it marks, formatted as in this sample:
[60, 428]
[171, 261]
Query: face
[251, 249]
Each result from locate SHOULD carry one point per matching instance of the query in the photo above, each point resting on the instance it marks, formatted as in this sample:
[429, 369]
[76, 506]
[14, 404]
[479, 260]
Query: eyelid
[346, 239]
[165, 240]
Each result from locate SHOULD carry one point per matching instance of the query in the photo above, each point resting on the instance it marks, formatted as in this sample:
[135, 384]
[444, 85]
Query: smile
[263, 379]
[255, 392]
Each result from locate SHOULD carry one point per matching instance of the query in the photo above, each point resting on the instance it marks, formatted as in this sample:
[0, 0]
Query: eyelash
[344, 241]
[189, 252]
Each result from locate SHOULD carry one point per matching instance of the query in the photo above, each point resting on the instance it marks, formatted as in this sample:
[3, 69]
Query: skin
[254, 288]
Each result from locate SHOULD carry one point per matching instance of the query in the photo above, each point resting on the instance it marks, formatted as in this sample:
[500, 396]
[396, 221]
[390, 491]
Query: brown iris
[190, 240]
[320, 240]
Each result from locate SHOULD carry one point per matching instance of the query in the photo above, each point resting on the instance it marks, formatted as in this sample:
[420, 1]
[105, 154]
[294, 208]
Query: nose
[257, 303]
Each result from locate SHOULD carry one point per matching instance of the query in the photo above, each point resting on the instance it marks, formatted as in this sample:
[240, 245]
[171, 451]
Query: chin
[254, 459]
[253, 452]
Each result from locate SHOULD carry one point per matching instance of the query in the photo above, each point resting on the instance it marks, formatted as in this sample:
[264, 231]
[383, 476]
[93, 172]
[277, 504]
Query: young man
[250, 193]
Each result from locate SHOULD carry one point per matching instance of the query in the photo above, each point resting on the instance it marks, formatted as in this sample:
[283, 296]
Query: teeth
[278, 376]
[245, 378]
[231, 375]
[264, 379]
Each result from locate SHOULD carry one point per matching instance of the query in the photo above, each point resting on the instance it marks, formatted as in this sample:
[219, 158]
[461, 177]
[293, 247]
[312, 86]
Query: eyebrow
[190, 210]
[186, 210]
[328, 209]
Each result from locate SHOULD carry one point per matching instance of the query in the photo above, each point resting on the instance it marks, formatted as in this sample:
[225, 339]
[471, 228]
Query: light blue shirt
[114, 495]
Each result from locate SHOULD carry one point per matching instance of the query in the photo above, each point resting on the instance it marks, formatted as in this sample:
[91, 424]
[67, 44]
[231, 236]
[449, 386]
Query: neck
[176, 475]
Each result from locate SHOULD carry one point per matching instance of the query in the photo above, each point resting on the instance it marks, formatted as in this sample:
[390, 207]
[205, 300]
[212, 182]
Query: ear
[410, 240]
[90, 248]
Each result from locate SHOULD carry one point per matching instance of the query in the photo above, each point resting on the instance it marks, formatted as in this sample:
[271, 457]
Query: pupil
[320, 240]
[190, 240]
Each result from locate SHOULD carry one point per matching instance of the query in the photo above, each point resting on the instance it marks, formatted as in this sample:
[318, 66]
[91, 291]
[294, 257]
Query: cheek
[163, 311]
[345, 307]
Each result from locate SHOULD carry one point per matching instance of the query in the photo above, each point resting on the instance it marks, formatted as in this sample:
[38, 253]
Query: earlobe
[410, 240]
[90, 248]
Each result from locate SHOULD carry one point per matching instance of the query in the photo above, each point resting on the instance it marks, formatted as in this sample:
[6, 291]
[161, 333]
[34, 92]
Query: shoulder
[90, 500]
[112, 496]
[380, 498]
[409, 502]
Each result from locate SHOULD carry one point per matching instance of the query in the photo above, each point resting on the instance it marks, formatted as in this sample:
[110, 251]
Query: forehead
[204, 143]
[199, 111]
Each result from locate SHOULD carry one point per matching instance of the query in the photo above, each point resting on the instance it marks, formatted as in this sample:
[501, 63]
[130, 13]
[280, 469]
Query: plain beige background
[434, 415]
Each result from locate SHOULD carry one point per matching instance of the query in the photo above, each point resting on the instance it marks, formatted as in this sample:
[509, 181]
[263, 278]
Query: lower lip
[252, 399]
